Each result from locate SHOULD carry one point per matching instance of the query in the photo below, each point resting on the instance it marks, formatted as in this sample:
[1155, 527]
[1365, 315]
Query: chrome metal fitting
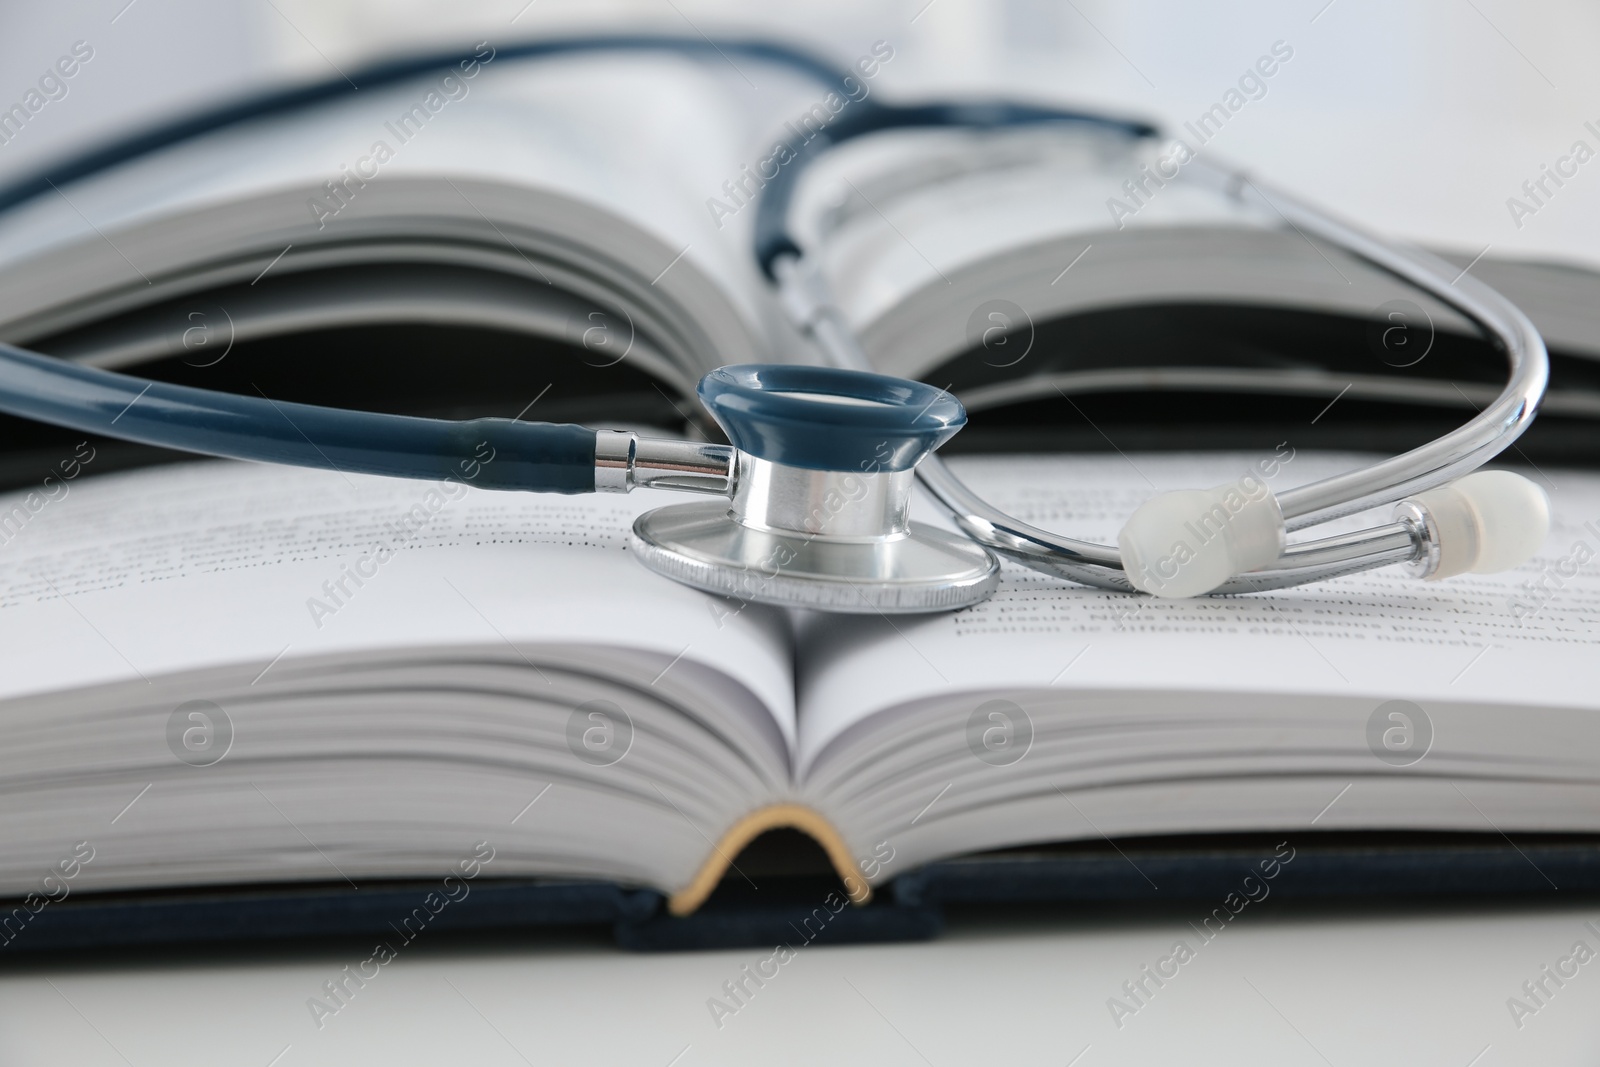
[1425, 532]
[624, 461]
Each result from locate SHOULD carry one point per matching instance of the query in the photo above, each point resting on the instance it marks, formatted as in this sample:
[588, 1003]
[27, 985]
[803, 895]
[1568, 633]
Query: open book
[222, 674]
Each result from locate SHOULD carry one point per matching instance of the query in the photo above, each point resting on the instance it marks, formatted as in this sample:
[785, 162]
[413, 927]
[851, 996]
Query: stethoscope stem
[625, 461]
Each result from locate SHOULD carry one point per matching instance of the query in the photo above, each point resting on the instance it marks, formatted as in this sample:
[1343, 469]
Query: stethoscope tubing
[499, 453]
[557, 458]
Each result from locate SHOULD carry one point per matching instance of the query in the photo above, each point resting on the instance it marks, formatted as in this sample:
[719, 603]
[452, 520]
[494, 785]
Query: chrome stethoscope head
[820, 475]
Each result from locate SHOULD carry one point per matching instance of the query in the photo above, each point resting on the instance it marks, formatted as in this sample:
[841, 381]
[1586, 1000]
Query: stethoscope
[814, 491]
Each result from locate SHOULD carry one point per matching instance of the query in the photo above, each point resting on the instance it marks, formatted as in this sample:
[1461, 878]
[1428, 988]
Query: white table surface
[1288, 983]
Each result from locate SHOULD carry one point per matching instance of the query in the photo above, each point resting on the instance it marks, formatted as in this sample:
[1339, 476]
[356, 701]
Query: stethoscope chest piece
[821, 495]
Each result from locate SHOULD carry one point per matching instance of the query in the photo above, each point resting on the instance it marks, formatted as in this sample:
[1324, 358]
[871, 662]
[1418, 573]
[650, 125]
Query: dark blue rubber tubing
[489, 453]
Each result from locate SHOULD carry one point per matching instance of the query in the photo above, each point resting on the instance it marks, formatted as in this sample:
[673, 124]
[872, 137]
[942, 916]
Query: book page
[1519, 638]
[614, 154]
[935, 226]
[133, 576]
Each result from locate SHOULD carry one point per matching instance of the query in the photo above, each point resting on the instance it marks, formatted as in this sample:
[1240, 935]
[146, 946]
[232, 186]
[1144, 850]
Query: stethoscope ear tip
[1484, 523]
[1189, 542]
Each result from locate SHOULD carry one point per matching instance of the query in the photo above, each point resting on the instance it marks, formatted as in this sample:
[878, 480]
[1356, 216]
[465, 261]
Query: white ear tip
[1513, 517]
[1487, 522]
[1160, 557]
[1189, 542]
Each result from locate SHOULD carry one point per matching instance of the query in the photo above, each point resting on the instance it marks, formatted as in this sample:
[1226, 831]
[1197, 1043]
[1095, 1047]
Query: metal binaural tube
[807, 298]
[1456, 453]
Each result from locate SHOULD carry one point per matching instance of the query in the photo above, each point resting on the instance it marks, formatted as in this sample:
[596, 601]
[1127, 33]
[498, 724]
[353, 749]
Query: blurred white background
[1419, 118]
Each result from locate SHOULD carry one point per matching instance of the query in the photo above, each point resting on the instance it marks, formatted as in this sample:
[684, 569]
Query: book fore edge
[773, 817]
